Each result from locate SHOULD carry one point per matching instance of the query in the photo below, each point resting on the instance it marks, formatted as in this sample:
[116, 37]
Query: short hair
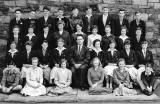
[61, 9]
[79, 24]
[120, 60]
[108, 26]
[127, 42]
[94, 27]
[124, 27]
[74, 8]
[100, 64]
[144, 42]
[121, 10]
[31, 26]
[88, 7]
[45, 26]
[28, 43]
[148, 64]
[13, 42]
[60, 40]
[35, 58]
[16, 26]
[94, 42]
[63, 60]
[45, 41]
[139, 28]
[80, 36]
[104, 7]
[46, 8]
[137, 12]
[113, 41]
[18, 10]
[60, 22]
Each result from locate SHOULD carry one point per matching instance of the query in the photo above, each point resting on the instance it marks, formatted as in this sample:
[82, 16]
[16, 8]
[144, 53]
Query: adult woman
[34, 80]
[96, 78]
[62, 80]
[122, 80]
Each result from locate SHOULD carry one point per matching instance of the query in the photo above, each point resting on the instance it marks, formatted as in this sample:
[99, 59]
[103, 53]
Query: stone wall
[149, 8]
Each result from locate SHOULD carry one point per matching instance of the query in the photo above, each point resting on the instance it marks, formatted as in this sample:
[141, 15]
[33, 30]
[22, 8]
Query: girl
[96, 78]
[93, 37]
[111, 57]
[62, 80]
[122, 80]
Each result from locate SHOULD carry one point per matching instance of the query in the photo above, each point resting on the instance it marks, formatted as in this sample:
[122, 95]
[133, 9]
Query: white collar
[79, 32]
[61, 49]
[31, 35]
[15, 50]
[111, 50]
[99, 50]
[88, 15]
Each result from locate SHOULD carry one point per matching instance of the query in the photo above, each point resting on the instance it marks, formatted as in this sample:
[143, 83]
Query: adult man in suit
[137, 22]
[120, 22]
[88, 21]
[103, 20]
[17, 21]
[45, 20]
[80, 57]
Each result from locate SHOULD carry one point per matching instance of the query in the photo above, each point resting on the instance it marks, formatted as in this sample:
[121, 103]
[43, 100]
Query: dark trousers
[79, 77]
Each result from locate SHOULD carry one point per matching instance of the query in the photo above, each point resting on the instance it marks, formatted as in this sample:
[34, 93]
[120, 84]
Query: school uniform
[120, 42]
[136, 43]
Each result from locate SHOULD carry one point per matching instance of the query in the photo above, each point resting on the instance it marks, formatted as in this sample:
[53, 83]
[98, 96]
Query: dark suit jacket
[135, 44]
[67, 26]
[120, 43]
[106, 41]
[143, 60]
[100, 55]
[118, 26]
[82, 58]
[20, 23]
[101, 26]
[27, 60]
[28, 22]
[57, 57]
[20, 44]
[34, 42]
[134, 26]
[65, 36]
[45, 59]
[111, 59]
[87, 25]
[49, 39]
[131, 59]
[12, 60]
[41, 23]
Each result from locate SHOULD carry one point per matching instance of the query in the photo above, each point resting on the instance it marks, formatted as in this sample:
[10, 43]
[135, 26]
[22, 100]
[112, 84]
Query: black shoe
[82, 89]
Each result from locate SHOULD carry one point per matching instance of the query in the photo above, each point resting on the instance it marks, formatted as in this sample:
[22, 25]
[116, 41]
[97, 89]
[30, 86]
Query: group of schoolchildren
[53, 56]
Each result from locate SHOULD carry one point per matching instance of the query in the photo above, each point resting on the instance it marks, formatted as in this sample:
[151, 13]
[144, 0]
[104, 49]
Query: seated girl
[62, 80]
[34, 80]
[122, 80]
[97, 51]
[111, 57]
[149, 80]
[96, 78]
[93, 37]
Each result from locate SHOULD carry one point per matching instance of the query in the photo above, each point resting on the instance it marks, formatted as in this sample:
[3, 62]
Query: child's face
[16, 31]
[18, 14]
[63, 65]
[123, 32]
[60, 13]
[97, 44]
[60, 44]
[45, 46]
[30, 30]
[13, 46]
[34, 63]
[144, 46]
[28, 47]
[121, 13]
[121, 64]
[46, 29]
[60, 26]
[127, 46]
[94, 31]
[107, 30]
[138, 32]
[96, 62]
[112, 45]
[148, 70]
[79, 28]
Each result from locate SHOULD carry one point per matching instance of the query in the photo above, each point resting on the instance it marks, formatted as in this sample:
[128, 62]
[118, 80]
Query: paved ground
[80, 97]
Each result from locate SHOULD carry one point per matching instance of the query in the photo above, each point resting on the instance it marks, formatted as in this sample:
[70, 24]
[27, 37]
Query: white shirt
[112, 51]
[13, 52]
[30, 36]
[60, 50]
[105, 19]
[123, 37]
[97, 50]
[60, 32]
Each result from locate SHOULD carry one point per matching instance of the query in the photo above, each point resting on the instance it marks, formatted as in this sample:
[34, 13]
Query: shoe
[82, 89]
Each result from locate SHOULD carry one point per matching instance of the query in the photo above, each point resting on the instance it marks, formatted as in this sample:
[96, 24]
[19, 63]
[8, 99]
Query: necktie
[144, 52]
[79, 49]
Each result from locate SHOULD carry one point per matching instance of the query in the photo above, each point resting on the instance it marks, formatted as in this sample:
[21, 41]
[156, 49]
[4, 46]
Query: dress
[123, 78]
[62, 77]
[34, 80]
[96, 76]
